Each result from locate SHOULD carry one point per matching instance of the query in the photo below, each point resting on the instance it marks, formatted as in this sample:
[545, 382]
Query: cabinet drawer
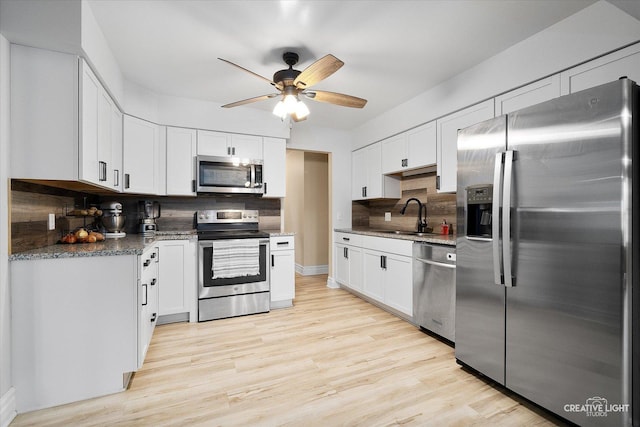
[348, 239]
[393, 246]
[281, 243]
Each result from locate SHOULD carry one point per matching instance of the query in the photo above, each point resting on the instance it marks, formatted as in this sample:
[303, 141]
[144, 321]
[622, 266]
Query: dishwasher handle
[436, 263]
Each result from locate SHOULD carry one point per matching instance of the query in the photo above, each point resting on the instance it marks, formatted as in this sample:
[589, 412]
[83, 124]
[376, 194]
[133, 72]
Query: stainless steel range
[233, 273]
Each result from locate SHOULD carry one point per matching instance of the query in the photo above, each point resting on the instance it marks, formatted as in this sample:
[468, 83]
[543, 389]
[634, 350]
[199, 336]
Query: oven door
[208, 287]
[228, 175]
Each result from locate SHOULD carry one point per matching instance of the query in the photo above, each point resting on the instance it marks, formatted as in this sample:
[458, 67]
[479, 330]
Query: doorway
[307, 209]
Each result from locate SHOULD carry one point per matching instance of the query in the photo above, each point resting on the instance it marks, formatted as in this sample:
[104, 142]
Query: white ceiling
[392, 50]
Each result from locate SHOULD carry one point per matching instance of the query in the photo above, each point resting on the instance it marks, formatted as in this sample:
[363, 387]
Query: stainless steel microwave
[228, 175]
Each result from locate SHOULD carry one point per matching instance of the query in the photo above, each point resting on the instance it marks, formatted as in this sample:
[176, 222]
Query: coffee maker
[148, 211]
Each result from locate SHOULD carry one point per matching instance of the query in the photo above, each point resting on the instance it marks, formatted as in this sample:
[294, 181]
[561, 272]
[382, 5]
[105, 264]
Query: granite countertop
[440, 239]
[132, 244]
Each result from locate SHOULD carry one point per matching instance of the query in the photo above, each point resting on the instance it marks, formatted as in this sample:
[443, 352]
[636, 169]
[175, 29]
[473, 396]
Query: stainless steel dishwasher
[434, 288]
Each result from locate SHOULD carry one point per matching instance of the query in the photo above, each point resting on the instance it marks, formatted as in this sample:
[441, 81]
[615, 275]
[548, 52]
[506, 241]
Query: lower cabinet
[283, 271]
[147, 300]
[177, 281]
[377, 267]
[74, 328]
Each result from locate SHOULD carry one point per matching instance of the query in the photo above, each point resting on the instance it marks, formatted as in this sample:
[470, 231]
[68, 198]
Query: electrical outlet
[52, 221]
[387, 216]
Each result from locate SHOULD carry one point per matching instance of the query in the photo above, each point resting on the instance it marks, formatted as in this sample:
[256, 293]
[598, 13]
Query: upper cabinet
[625, 62]
[233, 145]
[367, 181]
[100, 147]
[531, 94]
[447, 137]
[274, 167]
[143, 143]
[412, 149]
[181, 152]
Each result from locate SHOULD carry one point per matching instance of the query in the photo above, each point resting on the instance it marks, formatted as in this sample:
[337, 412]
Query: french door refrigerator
[547, 290]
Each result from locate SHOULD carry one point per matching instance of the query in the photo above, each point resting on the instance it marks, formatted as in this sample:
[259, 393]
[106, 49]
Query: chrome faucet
[422, 220]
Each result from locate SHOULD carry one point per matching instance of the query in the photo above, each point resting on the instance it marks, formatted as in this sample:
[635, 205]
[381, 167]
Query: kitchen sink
[404, 233]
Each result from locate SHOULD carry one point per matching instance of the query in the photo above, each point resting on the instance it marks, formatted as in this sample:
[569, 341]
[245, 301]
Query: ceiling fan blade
[251, 72]
[295, 118]
[250, 100]
[336, 98]
[319, 70]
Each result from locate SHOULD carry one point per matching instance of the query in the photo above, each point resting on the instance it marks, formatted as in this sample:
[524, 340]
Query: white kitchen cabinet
[368, 182]
[74, 328]
[222, 144]
[413, 149]
[181, 152]
[274, 167]
[147, 300]
[624, 62]
[282, 274]
[387, 272]
[531, 94]
[142, 144]
[447, 141]
[100, 144]
[348, 265]
[177, 280]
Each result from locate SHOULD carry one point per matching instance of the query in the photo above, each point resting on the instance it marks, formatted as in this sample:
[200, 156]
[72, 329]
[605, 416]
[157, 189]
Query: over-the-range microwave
[228, 175]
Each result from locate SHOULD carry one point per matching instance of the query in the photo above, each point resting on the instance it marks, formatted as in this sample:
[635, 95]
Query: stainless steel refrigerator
[547, 279]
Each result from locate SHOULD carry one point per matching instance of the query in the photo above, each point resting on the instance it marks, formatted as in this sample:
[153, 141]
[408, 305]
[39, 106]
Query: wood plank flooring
[331, 360]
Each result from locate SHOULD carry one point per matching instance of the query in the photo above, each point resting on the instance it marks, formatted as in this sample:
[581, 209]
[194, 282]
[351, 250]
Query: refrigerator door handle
[506, 217]
[495, 220]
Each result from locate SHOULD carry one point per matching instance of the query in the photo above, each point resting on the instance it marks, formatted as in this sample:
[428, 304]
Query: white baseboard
[331, 283]
[8, 407]
[312, 270]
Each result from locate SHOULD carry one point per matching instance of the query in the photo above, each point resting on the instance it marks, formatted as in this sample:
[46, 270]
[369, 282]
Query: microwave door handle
[495, 220]
[506, 217]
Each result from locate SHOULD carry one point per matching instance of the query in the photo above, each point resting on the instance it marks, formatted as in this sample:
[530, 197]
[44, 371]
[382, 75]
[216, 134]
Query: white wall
[7, 402]
[592, 32]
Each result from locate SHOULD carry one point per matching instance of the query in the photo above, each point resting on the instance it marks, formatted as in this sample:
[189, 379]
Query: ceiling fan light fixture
[290, 103]
[302, 110]
[280, 110]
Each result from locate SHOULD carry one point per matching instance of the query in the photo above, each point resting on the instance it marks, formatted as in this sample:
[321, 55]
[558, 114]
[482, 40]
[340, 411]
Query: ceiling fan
[292, 83]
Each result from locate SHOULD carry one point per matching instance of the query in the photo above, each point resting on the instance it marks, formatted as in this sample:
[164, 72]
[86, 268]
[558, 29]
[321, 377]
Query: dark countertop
[440, 239]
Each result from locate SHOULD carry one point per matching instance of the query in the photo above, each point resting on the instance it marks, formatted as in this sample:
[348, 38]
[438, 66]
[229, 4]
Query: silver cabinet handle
[495, 221]
[436, 263]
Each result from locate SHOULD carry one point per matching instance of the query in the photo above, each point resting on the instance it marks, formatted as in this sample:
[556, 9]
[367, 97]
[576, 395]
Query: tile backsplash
[371, 213]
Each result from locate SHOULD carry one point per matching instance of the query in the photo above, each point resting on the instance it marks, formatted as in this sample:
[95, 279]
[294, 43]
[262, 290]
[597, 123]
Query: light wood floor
[331, 360]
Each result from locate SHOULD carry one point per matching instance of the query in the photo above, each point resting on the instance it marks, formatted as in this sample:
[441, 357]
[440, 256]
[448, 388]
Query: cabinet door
[141, 152]
[374, 172]
[534, 93]
[181, 152]
[115, 176]
[394, 154]
[421, 146]
[398, 283]
[342, 265]
[274, 167]
[282, 275]
[246, 146]
[372, 277]
[625, 62]
[171, 277]
[213, 143]
[355, 268]
[447, 137]
[90, 116]
[358, 174]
